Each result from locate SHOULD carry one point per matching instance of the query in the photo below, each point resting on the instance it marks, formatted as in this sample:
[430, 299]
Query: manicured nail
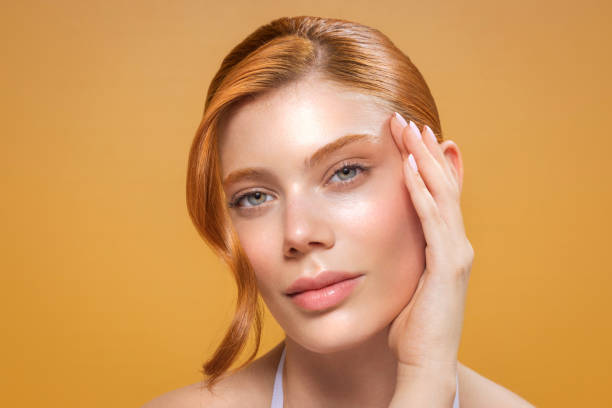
[431, 134]
[402, 121]
[415, 129]
[412, 162]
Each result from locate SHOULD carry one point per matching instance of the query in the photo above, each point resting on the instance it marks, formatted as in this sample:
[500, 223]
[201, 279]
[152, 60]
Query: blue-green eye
[348, 172]
[254, 199]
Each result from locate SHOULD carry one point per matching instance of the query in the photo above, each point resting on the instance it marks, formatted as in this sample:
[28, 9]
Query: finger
[423, 202]
[437, 150]
[448, 204]
[397, 124]
[431, 171]
[431, 141]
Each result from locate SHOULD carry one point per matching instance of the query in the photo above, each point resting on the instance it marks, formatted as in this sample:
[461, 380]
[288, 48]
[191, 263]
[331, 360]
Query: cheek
[259, 242]
[384, 219]
[384, 234]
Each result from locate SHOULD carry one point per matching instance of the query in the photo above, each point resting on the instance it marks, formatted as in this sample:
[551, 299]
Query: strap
[456, 401]
[277, 394]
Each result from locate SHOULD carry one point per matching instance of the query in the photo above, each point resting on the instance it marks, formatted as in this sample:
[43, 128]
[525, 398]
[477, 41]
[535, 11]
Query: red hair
[352, 55]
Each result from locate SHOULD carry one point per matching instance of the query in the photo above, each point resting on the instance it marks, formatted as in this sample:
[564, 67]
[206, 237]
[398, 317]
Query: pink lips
[325, 290]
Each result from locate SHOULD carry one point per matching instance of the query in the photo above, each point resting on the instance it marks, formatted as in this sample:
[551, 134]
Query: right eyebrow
[252, 173]
[321, 153]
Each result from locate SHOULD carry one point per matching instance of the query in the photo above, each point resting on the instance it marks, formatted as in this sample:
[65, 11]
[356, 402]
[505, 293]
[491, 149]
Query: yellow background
[109, 297]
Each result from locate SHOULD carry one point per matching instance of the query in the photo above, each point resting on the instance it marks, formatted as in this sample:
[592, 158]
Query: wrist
[432, 385]
[443, 376]
[430, 369]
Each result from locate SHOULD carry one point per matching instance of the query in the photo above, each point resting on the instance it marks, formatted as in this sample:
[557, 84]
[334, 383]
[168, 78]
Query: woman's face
[345, 210]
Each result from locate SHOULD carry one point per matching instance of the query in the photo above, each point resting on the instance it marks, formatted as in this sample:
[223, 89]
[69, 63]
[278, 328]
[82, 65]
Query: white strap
[277, 394]
[456, 401]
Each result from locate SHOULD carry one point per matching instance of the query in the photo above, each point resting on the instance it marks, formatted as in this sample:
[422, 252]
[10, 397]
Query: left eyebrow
[337, 144]
[316, 158]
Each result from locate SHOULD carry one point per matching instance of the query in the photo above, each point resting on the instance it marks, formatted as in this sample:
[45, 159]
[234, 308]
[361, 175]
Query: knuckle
[470, 252]
[461, 271]
[464, 261]
[468, 257]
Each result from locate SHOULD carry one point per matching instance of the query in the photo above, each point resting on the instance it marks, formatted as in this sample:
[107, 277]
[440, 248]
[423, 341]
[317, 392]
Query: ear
[453, 160]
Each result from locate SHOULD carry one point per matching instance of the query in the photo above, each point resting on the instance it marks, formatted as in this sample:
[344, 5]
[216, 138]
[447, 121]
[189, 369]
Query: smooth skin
[417, 353]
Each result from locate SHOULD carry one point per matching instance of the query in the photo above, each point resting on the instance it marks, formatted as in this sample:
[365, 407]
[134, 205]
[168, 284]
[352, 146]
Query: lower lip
[326, 297]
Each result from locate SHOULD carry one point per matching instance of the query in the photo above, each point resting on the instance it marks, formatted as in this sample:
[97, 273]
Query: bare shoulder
[476, 391]
[250, 386]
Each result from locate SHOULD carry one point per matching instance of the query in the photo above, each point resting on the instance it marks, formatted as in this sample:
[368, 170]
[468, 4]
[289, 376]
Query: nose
[306, 228]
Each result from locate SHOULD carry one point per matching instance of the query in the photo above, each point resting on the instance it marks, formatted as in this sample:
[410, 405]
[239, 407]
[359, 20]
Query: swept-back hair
[352, 55]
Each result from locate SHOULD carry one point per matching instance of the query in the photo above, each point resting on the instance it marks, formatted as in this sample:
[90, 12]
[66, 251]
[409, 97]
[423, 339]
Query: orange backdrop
[109, 297]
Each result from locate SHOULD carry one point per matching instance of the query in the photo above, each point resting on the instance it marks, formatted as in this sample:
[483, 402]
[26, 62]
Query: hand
[427, 332]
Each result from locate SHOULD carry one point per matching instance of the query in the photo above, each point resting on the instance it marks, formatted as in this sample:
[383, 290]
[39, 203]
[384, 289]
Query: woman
[320, 175]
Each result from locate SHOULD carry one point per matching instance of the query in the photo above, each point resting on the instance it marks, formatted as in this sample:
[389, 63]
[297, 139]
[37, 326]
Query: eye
[254, 199]
[348, 172]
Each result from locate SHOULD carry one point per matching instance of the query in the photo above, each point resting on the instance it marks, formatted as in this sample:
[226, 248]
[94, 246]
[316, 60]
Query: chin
[334, 332]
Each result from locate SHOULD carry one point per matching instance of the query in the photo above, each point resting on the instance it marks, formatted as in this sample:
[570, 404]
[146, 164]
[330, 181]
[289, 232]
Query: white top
[277, 394]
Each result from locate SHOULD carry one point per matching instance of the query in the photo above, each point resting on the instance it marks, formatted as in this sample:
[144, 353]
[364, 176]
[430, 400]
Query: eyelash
[347, 164]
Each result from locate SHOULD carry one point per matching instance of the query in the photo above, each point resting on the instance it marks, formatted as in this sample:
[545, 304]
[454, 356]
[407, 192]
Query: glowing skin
[307, 221]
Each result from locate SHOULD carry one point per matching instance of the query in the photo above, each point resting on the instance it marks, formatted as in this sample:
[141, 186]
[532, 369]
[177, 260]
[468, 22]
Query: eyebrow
[316, 158]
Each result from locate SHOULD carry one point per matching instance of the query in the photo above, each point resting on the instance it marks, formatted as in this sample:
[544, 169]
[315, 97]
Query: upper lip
[322, 280]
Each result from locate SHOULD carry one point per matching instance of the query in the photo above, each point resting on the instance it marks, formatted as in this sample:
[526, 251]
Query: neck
[363, 375]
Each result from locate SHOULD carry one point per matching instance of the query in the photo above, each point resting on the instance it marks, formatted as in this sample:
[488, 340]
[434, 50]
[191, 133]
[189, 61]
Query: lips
[323, 279]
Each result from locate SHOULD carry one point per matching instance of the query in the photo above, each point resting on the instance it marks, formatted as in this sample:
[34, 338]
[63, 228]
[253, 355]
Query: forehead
[295, 120]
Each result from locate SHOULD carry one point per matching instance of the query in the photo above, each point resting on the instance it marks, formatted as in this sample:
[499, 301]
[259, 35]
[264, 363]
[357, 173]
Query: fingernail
[415, 129]
[431, 134]
[412, 162]
[401, 120]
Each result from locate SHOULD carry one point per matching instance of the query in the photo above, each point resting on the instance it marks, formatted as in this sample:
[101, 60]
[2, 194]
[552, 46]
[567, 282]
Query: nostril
[292, 255]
